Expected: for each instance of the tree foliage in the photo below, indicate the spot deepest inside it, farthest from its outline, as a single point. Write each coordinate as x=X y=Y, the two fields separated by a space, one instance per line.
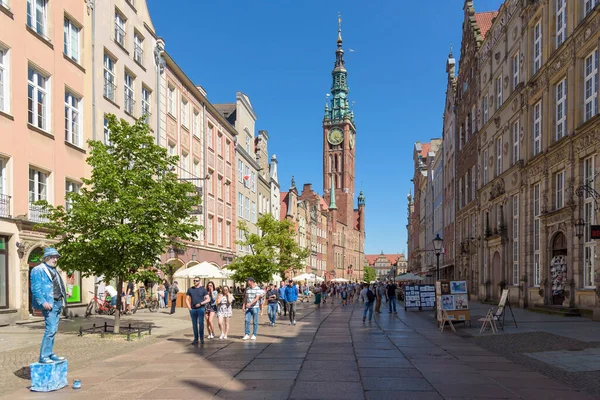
x=272 y=251
x=130 y=210
x=370 y=274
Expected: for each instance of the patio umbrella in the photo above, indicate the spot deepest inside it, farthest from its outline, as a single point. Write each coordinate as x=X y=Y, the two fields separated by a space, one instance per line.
x=409 y=277
x=339 y=280
x=307 y=277
x=202 y=270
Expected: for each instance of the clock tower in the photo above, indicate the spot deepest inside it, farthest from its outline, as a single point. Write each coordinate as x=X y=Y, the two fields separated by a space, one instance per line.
x=339 y=136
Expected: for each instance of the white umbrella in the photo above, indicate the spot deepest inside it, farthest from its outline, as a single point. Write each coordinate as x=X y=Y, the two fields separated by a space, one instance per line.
x=409 y=277
x=202 y=270
x=307 y=277
x=339 y=280
x=227 y=272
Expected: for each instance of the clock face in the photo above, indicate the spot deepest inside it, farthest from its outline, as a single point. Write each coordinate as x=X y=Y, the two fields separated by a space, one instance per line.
x=335 y=136
x=352 y=141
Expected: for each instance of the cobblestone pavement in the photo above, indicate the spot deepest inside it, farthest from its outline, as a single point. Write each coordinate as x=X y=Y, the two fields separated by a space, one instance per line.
x=329 y=354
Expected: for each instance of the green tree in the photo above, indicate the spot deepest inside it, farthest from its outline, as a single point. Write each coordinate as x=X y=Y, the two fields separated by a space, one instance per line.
x=370 y=274
x=272 y=251
x=126 y=215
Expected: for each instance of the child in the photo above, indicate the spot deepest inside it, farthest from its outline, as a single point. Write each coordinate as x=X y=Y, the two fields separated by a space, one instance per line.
x=344 y=296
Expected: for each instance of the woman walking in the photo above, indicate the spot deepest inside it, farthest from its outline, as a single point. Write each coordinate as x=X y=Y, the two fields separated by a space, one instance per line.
x=224 y=300
x=211 y=309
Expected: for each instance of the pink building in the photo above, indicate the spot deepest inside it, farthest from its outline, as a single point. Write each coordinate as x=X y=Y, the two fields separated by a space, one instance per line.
x=42 y=137
x=192 y=129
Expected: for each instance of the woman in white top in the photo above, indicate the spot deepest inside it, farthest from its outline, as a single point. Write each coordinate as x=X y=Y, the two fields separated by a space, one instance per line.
x=224 y=312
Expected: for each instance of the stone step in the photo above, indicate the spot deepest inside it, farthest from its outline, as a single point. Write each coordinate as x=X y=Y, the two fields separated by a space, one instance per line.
x=555 y=310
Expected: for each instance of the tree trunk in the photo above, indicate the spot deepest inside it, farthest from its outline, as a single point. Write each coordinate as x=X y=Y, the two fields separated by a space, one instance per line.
x=119 y=306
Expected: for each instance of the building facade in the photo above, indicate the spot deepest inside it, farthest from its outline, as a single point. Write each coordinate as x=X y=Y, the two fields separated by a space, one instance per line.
x=387 y=266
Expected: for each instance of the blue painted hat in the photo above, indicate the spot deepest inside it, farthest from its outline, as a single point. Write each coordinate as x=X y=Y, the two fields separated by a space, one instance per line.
x=50 y=251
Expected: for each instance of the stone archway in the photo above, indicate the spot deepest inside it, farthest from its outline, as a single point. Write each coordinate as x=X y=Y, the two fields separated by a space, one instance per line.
x=496 y=274
x=558 y=269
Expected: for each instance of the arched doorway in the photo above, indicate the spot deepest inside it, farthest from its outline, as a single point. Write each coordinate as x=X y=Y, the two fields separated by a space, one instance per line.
x=34 y=259
x=558 y=268
x=496 y=274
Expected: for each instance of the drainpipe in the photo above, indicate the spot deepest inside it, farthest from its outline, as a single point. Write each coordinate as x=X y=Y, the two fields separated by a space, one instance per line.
x=159 y=59
x=454 y=188
x=204 y=213
x=92 y=9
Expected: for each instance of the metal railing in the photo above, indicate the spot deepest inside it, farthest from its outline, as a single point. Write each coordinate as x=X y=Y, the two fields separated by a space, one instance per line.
x=36 y=212
x=146 y=116
x=109 y=89
x=138 y=54
x=119 y=35
x=5 y=205
x=129 y=103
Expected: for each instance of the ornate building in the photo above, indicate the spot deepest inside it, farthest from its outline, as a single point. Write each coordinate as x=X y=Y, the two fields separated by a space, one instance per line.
x=387 y=266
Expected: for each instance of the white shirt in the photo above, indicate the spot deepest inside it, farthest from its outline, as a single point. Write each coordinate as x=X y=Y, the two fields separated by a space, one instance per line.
x=111 y=291
x=363 y=295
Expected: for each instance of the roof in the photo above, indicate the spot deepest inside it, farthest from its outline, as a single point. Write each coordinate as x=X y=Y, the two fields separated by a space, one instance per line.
x=227 y=110
x=392 y=258
x=425 y=149
x=283 y=202
x=484 y=21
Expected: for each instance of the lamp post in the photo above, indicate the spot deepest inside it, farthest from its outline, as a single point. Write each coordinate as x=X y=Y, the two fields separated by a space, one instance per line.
x=437 y=248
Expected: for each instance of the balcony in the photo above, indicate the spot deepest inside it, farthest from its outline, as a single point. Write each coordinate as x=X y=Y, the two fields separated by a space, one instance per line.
x=109 y=90
x=36 y=212
x=129 y=103
x=146 y=116
x=120 y=35
x=5 y=206
x=138 y=54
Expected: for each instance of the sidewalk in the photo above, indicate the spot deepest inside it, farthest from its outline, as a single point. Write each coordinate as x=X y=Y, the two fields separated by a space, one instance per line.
x=329 y=354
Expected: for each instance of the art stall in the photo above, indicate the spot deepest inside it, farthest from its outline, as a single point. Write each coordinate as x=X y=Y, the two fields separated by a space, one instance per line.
x=452 y=301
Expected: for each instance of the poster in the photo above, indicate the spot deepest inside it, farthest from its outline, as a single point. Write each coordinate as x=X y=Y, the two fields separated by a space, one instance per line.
x=427 y=295
x=458 y=287
x=448 y=302
x=411 y=296
x=461 y=302
x=445 y=287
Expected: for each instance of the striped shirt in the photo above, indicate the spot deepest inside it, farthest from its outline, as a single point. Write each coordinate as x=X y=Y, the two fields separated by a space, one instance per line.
x=252 y=293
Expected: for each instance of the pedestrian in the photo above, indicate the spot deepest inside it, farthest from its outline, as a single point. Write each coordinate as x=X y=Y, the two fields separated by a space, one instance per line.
x=261 y=302
x=49 y=295
x=272 y=295
x=379 y=293
x=161 y=296
x=368 y=297
x=252 y=296
x=317 y=291
x=166 y=293
x=324 y=292
x=391 y=293
x=173 y=290
x=344 y=296
x=282 y=297
x=224 y=311
x=129 y=295
x=351 y=292
x=291 y=296
x=211 y=309
x=112 y=293
x=196 y=299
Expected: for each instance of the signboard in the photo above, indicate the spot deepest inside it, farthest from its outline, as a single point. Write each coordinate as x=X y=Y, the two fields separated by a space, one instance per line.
x=452 y=297
x=412 y=298
x=595 y=231
x=427 y=296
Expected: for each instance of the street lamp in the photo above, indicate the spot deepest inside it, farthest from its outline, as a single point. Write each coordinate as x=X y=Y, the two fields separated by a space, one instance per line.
x=437 y=248
x=579 y=227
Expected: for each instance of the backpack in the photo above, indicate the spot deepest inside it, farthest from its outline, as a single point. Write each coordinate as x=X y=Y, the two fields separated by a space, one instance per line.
x=370 y=295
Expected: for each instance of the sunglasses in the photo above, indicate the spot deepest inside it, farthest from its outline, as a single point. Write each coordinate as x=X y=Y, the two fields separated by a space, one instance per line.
x=196 y=280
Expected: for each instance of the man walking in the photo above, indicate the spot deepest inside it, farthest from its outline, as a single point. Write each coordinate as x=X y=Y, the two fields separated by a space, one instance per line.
x=251 y=306
x=272 y=295
x=379 y=293
x=368 y=297
x=49 y=295
x=196 y=298
x=282 y=297
x=173 y=290
x=391 y=293
x=291 y=296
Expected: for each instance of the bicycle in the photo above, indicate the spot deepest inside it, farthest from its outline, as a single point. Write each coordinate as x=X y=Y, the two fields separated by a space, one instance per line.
x=151 y=304
x=99 y=306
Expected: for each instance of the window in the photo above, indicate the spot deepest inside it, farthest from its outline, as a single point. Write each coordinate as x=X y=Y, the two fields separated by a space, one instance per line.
x=467 y=118
x=246 y=208
x=460 y=137
x=3 y=187
x=195 y=169
x=515 y=234
x=473 y=120
x=220 y=188
x=138 y=48
x=219 y=143
x=196 y=123
x=209 y=136
x=559 y=184
x=485 y=109
x=590 y=93
x=4 y=275
x=36 y=16
x=146 y=111
x=486 y=176
x=209 y=229
x=184 y=165
x=498 y=156
x=171 y=149
x=537 y=47
x=70 y=187
x=106 y=132
x=536 y=235
x=589 y=218
x=71 y=40
x=561 y=21
x=589 y=6
x=253 y=212
x=72 y=119
x=460 y=193
x=515 y=71
x=220 y=232
x=498 y=92
x=246 y=176
x=515 y=138
x=561 y=109
x=38 y=104
x=248 y=139
x=119 y=29
x=228 y=235
x=473 y=183
x=537 y=128
x=129 y=93
x=184 y=112
x=227 y=150
x=171 y=100
x=109 y=78
x=253 y=181
x=4 y=81
x=240 y=170
x=240 y=205
x=228 y=192
x=38 y=190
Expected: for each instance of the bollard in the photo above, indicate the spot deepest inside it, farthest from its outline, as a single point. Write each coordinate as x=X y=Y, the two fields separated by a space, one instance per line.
x=105 y=326
x=94 y=328
x=128 y=336
x=80 y=330
x=149 y=329
x=139 y=332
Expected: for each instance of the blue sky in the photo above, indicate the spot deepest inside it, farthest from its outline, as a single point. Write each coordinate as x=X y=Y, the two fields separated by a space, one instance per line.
x=281 y=53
